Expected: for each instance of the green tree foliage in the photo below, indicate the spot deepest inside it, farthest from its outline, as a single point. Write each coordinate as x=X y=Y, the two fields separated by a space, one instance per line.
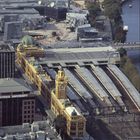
x=94 y=10
x=122 y=52
x=120 y=35
x=112 y=8
x=93 y=7
x=130 y=71
x=60 y=124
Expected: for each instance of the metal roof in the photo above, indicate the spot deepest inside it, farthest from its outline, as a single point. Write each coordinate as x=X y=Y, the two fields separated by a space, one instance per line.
x=8 y=85
x=78 y=87
x=107 y=82
x=131 y=90
x=77 y=54
x=92 y=82
x=18 y=11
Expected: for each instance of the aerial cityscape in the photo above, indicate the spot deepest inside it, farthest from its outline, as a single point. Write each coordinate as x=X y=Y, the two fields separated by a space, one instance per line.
x=69 y=69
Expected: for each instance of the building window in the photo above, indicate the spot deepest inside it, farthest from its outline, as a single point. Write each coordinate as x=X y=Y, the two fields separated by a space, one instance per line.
x=80 y=134
x=80 y=125
x=25 y=121
x=72 y=133
x=73 y=126
x=80 y=128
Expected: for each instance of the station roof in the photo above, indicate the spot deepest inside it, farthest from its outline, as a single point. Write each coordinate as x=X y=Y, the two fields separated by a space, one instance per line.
x=67 y=55
x=131 y=90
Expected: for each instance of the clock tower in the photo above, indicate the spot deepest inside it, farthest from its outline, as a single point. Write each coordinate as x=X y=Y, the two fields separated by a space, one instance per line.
x=61 y=85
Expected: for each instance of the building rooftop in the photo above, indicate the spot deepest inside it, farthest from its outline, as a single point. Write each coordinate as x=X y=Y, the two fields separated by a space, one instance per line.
x=13 y=85
x=62 y=56
x=65 y=102
x=57 y=3
x=40 y=127
x=18 y=11
x=5 y=47
x=71 y=110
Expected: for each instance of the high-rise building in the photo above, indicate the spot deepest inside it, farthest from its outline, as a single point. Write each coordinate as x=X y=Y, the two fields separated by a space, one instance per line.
x=7 y=61
x=17 y=102
x=12 y=31
x=61 y=105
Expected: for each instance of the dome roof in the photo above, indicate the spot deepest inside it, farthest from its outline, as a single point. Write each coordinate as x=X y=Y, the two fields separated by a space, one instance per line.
x=27 y=40
x=74 y=113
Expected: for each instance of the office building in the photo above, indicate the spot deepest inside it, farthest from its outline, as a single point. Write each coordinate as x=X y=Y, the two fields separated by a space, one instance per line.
x=7 y=61
x=17 y=102
x=12 y=31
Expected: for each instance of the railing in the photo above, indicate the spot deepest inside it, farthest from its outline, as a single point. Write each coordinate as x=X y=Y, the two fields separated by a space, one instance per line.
x=129 y=46
x=126 y=44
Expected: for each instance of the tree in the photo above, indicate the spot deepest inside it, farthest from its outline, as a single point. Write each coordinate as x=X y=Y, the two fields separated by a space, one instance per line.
x=120 y=35
x=112 y=8
x=122 y=52
x=94 y=10
x=60 y=124
x=130 y=71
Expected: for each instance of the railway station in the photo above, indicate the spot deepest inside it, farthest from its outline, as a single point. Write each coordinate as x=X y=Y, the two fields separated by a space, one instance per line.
x=89 y=85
